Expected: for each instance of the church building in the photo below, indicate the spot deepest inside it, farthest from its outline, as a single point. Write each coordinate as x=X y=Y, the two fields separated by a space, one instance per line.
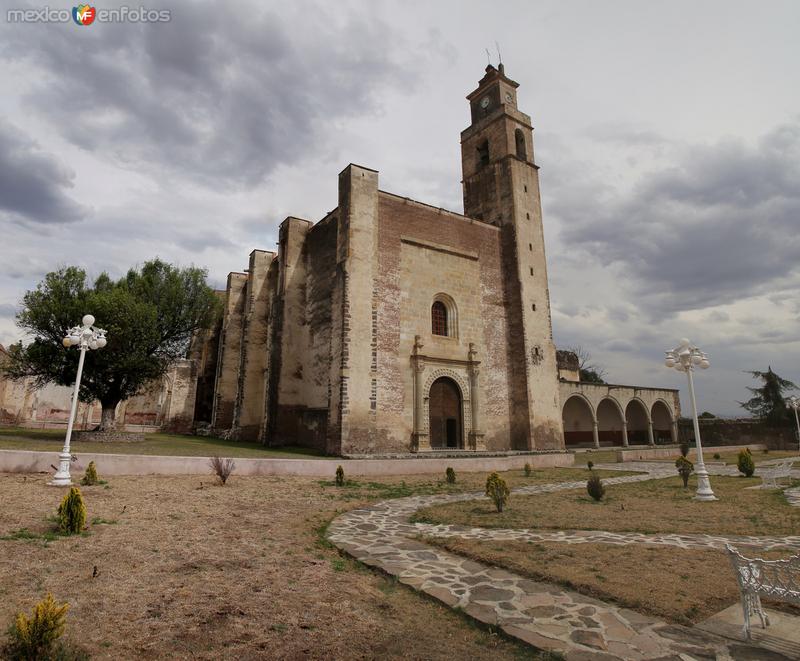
x=391 y=326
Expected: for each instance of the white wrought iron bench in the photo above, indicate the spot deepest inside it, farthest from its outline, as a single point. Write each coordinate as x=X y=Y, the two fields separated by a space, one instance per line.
x=772 y=474
x=776 y=579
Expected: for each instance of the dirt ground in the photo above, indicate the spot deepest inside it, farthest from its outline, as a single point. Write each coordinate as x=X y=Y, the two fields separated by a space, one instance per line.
x=188 y=569
x=656 y=506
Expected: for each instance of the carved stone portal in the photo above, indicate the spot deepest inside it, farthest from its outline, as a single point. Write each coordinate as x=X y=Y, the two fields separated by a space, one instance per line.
x=464 y=374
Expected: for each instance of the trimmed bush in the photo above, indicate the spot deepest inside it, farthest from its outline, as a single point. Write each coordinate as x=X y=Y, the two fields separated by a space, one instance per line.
x=339 y=476
x=685 y=468
x=590 y=464
x=222 y=468
x=497 y=490
x=527 y=470
x=450 y=475
x=595 y=487
x=717 y=455
x=72 y=513
x=90 y=477
x=32 y=638
x=745 y=463
x=684 y=447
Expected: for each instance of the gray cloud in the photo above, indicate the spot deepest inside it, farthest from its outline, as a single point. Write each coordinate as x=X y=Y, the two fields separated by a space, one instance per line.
x=717 y=316
x=224 y=101
x=7 y=310
x=619 y=345
x=717 y=226
x=33 y=183
x=624 y=134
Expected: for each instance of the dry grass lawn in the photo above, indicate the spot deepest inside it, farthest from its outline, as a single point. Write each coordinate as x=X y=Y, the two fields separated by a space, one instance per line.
x=186 y=568
x=596 y=456
x=655 y=506
x=673 y=584
x=465 y=482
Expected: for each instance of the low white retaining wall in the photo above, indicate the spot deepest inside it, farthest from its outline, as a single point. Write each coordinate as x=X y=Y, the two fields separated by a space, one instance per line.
x=670 y=452
x=25 y=461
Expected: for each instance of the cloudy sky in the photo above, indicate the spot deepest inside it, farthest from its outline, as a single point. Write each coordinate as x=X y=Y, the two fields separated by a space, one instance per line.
x=668 y=135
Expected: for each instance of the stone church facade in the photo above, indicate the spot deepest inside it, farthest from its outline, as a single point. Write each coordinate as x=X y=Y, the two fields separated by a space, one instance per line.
x=392 y=326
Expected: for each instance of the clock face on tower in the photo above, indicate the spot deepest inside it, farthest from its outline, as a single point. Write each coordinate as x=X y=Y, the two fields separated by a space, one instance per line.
x=509 y=97
x=485 y=101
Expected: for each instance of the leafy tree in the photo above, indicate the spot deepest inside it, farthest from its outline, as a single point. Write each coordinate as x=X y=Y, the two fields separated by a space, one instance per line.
x=587 y=370
x=150 y=315
x=767 y=402
x=706 y=414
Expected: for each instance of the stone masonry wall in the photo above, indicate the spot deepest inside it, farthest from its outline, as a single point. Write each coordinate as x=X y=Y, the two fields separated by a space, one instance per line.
x=357 y=257
x=292 y=342
x=249 y=411
x=320 y=255
x=228 y=358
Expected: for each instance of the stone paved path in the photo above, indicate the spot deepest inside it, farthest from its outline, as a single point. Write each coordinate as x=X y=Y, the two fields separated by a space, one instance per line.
x=543 y=615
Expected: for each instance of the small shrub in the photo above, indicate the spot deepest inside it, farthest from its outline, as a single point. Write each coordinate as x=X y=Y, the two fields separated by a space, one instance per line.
x=590 y=464
x=745 y=463
x=222 y=468
x=527 y=469
x=90 y=477
x=685 y=468
x=72 y=513
x=766 y=450
x=339 y=476
x=684 y=447
x=450 y=475
x=34 y=637
x=497 y=490
x=595 y=487
x=717 y=455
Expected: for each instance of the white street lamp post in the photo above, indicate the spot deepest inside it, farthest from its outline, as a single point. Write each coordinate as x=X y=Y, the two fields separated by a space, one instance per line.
x=794 y=403
x=685 y=358
x=85 y=337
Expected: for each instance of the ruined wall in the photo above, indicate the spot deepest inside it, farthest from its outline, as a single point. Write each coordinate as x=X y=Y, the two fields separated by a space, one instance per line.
x=568 y=365
x=721 y=431
x=181 y=384
x=168 y=403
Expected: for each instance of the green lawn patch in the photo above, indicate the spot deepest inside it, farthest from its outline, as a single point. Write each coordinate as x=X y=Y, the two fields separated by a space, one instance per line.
x=173 y=445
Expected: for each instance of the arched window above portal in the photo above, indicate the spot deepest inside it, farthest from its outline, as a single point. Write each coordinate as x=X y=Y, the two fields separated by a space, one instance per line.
x=444 y=316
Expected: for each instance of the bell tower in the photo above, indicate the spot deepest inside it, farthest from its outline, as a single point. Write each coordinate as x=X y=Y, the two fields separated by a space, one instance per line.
x=501 y=187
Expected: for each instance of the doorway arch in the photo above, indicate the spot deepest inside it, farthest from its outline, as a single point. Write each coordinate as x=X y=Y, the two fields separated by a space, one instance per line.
x=638 y=421
x=446 y=422
x=610 y=421
x=578 y=421
x=662 y=421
